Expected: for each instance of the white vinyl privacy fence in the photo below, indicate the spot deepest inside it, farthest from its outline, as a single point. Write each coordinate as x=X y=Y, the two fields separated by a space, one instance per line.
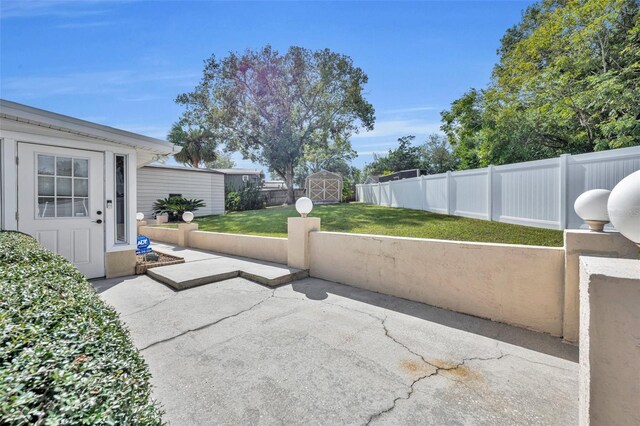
x=535 y=193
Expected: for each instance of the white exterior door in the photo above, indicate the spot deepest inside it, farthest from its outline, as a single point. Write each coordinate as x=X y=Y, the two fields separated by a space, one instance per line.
x=60 y=202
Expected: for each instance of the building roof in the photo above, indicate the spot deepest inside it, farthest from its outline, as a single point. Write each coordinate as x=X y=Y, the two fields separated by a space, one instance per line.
x=238 y=171
x=51 y=120
x=183 y=168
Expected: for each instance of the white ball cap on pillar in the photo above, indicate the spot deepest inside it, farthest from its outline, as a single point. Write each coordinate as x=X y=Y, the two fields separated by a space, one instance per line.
x=304 y=206
x=187 y=217
x=591 y=206
x=624 y=207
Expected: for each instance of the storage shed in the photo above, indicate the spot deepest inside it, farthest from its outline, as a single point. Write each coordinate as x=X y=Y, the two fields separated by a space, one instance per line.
x=324 y=187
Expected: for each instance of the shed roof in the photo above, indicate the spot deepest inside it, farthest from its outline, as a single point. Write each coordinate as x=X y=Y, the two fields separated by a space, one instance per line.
x=323 y=173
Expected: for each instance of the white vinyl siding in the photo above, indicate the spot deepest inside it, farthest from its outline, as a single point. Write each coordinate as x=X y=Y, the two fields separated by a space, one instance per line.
x=157 y=182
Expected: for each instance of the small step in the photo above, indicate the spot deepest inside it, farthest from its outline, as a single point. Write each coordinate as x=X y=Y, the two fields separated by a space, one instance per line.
x=192 y=274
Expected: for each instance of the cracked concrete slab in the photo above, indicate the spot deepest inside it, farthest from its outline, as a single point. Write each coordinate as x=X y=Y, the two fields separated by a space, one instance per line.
x=315 y=352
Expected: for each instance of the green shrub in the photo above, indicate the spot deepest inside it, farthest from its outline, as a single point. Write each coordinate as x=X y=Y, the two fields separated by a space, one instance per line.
x=65 y=357
x=247 y=198
x=347 y=191
x=176 y=206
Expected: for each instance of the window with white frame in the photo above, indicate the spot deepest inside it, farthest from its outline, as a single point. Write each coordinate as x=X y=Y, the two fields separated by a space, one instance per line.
x=121 y=207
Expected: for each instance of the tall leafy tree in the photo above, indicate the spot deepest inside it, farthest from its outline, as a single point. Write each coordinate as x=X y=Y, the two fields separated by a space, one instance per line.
x=568 y=81
x=405 y=157
x=335 y=157
x=272 y=107
x=223 y=161
x=198 y=144
x=437 y=155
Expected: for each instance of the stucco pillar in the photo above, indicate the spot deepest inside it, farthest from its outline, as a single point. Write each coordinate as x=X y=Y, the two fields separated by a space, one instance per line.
x=298 y=240
x=609 y=341
x=583 y=242
x=185 y=229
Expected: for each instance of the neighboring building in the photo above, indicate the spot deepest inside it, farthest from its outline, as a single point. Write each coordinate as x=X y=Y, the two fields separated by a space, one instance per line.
x=157 y=181
x=236 y=178
x=71 y=184
x=372 y=179
x=324 y=187
x=404 y=174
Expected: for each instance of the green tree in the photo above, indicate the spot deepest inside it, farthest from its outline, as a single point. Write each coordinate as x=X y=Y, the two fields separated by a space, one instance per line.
x=567 y=81
x=335 y=156
x=463 y=125
x=437 y=155
x=223 y=161
x=272 y=107
x=198 y=144
x=404 y=157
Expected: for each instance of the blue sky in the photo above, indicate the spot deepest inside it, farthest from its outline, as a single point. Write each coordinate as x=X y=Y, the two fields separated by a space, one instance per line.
x=122 y=63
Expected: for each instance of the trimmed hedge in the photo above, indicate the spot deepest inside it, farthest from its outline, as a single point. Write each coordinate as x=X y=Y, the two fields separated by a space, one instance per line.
x=65 y=357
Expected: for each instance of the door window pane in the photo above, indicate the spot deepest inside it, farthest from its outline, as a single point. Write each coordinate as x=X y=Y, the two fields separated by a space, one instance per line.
x=80 y=207
x=63 y=207
x=46 y=185
x=63 y=166
x=46 y=165
x=46 y=207
x=80 y=167
x=63 y=187
x=80 y=187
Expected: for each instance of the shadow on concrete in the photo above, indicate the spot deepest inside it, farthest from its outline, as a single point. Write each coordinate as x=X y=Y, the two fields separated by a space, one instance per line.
x=101 y=285
x=316 y=289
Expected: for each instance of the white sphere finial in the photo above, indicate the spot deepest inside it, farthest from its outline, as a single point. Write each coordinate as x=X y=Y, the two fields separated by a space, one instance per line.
x=187 y=217
x=624 y=207
x=591 y=206
x=139 y=216
x=304 y=206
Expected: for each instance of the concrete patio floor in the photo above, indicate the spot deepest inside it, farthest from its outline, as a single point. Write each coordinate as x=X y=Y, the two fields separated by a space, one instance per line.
x=316 y=352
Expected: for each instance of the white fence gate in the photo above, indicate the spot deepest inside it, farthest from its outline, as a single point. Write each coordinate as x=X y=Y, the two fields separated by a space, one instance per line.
x=535 y=193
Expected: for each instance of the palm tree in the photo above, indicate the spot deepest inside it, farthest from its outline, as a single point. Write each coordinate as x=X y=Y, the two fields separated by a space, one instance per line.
x=198 y=144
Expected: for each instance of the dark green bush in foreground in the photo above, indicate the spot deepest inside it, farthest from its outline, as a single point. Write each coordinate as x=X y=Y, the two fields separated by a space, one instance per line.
x=64 y=355
x=249 y=197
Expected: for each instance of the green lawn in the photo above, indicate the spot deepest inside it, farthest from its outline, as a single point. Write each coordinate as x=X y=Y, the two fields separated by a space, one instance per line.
x=368 y=219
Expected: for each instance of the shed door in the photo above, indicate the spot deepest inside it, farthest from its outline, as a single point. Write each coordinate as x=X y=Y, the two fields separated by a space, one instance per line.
x=60 y=202
x=324 y=190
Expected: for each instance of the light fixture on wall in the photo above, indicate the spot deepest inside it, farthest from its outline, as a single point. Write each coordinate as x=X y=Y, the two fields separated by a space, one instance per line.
x=187 y=217
x=591 y=206
x=624 y=207
x=304 y=206
x=139 y=216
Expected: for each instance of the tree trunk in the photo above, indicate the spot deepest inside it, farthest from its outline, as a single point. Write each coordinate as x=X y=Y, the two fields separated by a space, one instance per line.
x=288 y=180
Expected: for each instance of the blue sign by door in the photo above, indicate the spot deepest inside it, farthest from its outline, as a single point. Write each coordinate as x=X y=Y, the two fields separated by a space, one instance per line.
x=143 y=245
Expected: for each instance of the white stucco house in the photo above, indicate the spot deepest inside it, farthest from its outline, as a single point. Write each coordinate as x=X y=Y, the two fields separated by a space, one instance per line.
x=71 y=184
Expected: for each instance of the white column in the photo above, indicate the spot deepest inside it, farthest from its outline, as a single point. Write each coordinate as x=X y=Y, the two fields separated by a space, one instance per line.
x=448 y=192
x=490 y=193
x=564 y=159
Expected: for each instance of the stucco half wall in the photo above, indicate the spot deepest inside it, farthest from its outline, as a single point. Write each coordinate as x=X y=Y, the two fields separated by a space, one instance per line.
x=262 y=248
x=514 y=284
x=158 y=233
